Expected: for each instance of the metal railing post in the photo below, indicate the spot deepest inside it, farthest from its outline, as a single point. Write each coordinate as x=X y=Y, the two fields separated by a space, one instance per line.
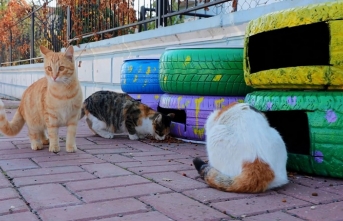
x=68 y=23
x=32 y=37
x=158 y=6
x=10 y=48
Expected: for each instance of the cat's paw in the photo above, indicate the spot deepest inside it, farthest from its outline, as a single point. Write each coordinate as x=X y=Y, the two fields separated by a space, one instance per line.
x=71 y=148
x=54 y=148
x=133 y=137
x=36 y=145
x=141 y=136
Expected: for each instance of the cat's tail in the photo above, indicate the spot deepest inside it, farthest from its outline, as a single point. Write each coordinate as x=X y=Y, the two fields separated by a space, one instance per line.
x=255 y=177
x=82 y=112
x=13 y=127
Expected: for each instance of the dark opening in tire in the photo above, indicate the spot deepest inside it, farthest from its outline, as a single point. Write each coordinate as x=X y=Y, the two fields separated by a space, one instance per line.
x=180 y=115
x=303 y=45
x=293 y=127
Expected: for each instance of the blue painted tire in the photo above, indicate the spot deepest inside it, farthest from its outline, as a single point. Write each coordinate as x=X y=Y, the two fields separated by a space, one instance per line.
x=140 y=76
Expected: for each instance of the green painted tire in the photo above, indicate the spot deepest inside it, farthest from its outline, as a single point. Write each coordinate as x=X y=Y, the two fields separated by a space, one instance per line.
x=296 y=48
x=203 y=71
x=324 y=118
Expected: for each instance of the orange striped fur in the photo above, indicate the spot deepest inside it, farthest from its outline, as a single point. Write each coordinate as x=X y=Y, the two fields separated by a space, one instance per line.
x=254 y=178
x=49 y=103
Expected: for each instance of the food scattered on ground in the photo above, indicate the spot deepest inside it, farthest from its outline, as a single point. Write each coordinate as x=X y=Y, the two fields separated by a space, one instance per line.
x=169 y=139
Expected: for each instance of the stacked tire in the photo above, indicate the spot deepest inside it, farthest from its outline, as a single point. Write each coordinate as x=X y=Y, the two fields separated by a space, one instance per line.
x=198 y=81
x=297 y=54
x=140 y=79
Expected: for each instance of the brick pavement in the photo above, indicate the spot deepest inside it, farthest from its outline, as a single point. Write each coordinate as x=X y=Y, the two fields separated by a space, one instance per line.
x=119 y=179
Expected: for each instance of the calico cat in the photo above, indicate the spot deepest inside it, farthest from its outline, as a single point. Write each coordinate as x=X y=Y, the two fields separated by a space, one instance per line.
x=49 y=103
x=245 y=154
x=109 y=113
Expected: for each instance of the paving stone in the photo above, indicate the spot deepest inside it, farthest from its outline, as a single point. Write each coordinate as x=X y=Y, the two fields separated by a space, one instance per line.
x=161 y=157
x=43 y=171
x=193 y=173
x=31 y=154
x=12 y=206
x=149 y=216
x=277 y=216
x=315 y=181
x=54 y=178
x=75 y=162
x=180 y=207
x=6 y=145
x=104 y=146
x=8 y=193
x=143 y=147
x=24 y=216
x=111 y=151
x=259 y=205
x=106 y=183
x=93 y=210
x=114 y=158
x=213 y=195
x=105 y=170
x=122 y=192
x=175 y=181
x=148 y=163
x=4 y=181
x=332 y=211
x=48 y=196
x=17 y=151
x=334 y=189
x=148 y=153
x=193 y=152
x=17 y=164
x=312 y=195
x=70 y=156
x=154 y=169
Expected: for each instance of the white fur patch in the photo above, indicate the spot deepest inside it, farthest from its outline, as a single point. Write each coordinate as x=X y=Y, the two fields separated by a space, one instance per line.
x=145 y=129
x=100 y=127
x=241 y=135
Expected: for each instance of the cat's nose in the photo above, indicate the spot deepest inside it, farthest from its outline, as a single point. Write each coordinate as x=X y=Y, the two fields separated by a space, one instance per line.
x=54 y=77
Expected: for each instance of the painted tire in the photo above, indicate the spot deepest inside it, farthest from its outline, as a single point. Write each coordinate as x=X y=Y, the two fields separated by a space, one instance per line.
x=196 y=110
x=151 y=100
x=140 y=76
x=306 y=50
x=321 y=149
x=203 y=71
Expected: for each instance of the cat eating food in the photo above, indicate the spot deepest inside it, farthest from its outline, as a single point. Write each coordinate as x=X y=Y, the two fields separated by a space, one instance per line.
x=109 y=113
x=245 y=154
x=49 y=103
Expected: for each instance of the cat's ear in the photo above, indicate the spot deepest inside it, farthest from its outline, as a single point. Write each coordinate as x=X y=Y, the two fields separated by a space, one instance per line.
x=44 y=50
x=69 y=53
x=171 y=115
x=158 y=119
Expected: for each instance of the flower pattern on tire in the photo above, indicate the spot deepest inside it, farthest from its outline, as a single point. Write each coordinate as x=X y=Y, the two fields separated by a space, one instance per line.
x=324 y=112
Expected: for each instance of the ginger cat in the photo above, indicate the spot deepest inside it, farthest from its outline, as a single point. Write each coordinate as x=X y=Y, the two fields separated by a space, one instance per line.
x=245 y=154
x=49 y=103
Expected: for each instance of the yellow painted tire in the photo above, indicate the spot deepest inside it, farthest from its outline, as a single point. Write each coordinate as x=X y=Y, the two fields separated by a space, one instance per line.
x=298 y=48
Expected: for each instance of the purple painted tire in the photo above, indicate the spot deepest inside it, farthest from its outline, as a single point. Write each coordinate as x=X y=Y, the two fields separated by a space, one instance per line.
x=151 y=100
x=191 y=112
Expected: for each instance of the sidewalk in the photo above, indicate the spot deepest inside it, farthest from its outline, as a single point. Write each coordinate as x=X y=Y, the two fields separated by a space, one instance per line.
x=119 y=179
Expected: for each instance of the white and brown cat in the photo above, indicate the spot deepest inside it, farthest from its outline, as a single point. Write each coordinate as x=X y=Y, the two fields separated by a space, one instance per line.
x=245 y=154
x=49 y=103
x=109 y=113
